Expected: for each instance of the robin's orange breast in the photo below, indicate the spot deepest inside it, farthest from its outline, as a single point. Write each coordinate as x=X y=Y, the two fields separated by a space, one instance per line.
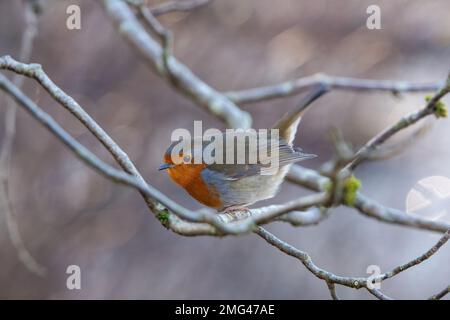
x=189 y=177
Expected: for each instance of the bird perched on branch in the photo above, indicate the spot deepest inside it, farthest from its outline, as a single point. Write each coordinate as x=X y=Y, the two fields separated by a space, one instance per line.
x=233 y=186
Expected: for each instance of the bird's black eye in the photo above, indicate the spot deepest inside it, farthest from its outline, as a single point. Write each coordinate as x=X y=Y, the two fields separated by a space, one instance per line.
x=187 y=158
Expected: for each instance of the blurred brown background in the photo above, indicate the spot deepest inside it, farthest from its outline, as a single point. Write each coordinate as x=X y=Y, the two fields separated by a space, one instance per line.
x=67 y=214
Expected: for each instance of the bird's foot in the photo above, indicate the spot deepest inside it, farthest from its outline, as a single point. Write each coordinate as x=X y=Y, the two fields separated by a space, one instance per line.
x=236 y=213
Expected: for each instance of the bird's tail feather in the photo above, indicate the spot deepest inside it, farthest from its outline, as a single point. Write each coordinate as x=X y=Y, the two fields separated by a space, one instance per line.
x=288 y=124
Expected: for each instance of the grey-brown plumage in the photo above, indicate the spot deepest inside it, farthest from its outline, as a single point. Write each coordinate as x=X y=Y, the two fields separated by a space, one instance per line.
x=241 y=184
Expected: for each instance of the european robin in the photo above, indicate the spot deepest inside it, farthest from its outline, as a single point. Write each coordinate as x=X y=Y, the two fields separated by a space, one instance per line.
x=234 y=186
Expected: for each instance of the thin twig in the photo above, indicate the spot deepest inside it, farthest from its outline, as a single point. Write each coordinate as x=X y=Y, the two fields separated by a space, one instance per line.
x=440 y=294
x=177 y=5
x=378 y=294
x=297 y=86
x=419 y=259
x=31 y=9
x=403 y=123
x=310 y=217
x=164 y=34
x=305 y=259
x=373 y=209
x=332 y=288
x=388 y=151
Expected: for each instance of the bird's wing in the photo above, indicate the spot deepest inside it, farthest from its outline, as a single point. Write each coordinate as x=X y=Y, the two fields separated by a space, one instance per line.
x=266 y=160
x=243 y=154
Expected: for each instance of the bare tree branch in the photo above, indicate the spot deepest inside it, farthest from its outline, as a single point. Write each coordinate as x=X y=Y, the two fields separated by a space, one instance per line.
x=164 y=34
x=177 y=5
x=351 y=282
x=419 y=259
x=389 y=151
x=94 y=162
x=378 y=294
x=403 y=123
x=186 y=82
x=375 y=210
x=313 y=180
x=35 y=71
x=441 y=294
x=31 y=9
x=332 y=288
x=305 y=259
x=297 y=86
x=170 y=6
x=310 y=217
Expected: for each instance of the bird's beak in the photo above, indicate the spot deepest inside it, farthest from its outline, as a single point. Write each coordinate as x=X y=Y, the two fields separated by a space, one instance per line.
x=165 y=166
